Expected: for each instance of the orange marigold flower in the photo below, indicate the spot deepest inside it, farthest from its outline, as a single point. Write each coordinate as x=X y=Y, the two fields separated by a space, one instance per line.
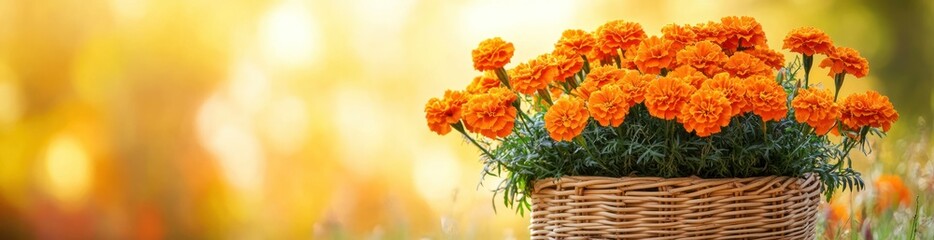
x=689 y=75
x=808 y=41
x=566 y=66
x=555 y=90
x=492 y=54
x=491 y=114
x=576 y=41
x=665 y=96
x=769 y=57
x=617 y=35
x=767 y=98
x=868 y=109
x=844 y=59
x=536 y=74
x=742 y=32
x=891 y=192
x=743 y=65
x=710 y=31
x=441 y=113
x=566 y=119
x=816 y=108
x=679 y=35
x=635 y=85
x=654 y=54
x=609 y=105
x=603 y=75
x=706 y=112
x=483 y=83
x=585 y=89
x=733 y=88
x=705 y=56
x=627 y=60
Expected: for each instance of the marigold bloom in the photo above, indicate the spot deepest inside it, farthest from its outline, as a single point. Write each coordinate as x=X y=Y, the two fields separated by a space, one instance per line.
x=808 y=41
x=635 y=85
x=689 y=75
x=609 y=105
x=492 y=54
x=483 y=83
x=654 y=54
x=743 y=65
x=769 y=57
x=767 y=98
x=536 y=74
x=441 y=113
x=617 y=35
x=603 y=75
x=706 y=112
x=585 y=89
x=576 y=41
x=566 y=119
x=816 y=108
x=742 y=32
x=679 y=35
x=566 y=66
x=491 y=114
x=710 y=31
x=891 y=192
x=868 y=109
x=733 y=88
x=705 y=56
x=665 y=96
x=844 y=59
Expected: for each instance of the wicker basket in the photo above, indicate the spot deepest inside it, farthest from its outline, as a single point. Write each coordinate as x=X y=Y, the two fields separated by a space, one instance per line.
x=758 y=208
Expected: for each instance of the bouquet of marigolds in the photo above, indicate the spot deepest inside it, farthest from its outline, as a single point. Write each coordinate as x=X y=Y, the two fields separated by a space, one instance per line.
x=709 y=100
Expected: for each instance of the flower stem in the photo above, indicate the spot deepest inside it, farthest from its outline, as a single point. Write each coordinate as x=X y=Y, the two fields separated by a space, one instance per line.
x=838 y=83
x=586 y=64
x=501 y=74
x=459 y=126
x=807 y=61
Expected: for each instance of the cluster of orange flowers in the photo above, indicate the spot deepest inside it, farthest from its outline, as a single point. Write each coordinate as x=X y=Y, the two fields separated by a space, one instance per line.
x=698 y=75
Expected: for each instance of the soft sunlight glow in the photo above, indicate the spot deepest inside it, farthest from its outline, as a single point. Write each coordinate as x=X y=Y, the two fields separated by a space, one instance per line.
x=68 y=170
x=289 y=35
x=285 y=124
x=224 y=131
x=357 y=115
x=9 y=97
x=248 y=87
x=436 y=175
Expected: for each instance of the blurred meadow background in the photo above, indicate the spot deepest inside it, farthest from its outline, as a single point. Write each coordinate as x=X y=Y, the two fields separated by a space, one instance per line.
x=288 y=119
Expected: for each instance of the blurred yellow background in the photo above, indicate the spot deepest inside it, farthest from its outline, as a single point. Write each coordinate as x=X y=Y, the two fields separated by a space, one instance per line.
x=292 y=119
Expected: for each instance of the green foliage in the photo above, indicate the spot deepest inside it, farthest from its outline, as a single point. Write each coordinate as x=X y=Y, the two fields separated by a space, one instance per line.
x=647 y=146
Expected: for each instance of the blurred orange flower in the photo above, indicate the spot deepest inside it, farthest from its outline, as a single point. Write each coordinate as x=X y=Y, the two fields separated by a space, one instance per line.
x=483 y=83
x=734 y=89
x=566 y=119
x=742 y=32
x=769 y=57
x=576 y=41
x=767 y=98
x=654 y=54
x=665 y=96
x=609 y=105
x=808 y=41
x=868 y=109
x=891 y=192
x=491 y=114
x=706 y=112
x=635 y=85
x=617 y=35
x=816 y=108
x=585 y=89
x=441 y=113
x=566 y=66
x=492 y=54
x=845 y=60
x=529 y=77
x=689 y=75
x=679 y=35
x=705 y=56
x=743 y=65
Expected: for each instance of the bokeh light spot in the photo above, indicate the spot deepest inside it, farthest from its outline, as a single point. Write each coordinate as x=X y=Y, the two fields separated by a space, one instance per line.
x=289 y=35
x=68 y=170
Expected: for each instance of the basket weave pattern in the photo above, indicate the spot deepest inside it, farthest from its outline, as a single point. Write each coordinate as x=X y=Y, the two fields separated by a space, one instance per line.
x=772 y=207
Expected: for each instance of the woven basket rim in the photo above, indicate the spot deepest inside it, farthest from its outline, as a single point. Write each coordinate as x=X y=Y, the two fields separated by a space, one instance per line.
x=545 y=181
